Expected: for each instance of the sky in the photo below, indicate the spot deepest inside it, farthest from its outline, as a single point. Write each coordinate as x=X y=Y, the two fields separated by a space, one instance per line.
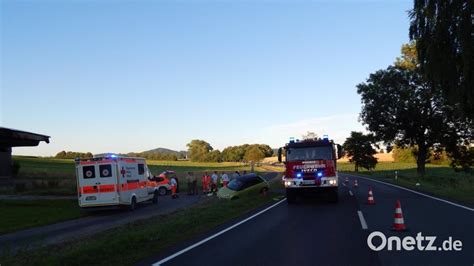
x=122 y=76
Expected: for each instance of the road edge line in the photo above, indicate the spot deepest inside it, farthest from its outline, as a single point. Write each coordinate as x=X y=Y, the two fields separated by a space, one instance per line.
x=215 y=235
x=414 y=191
x=363 y=223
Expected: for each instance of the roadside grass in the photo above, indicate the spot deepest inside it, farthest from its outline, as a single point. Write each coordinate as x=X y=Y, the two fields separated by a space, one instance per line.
x=140 y=240
x=22 y=214
x=439 y=180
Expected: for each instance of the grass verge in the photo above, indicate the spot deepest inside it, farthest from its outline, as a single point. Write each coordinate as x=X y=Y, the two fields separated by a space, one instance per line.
x=23 y=214
x=439 y=180
x=137 y=241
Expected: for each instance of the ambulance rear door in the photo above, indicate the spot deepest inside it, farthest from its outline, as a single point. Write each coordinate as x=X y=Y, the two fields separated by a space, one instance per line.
x=97 y=184
x=107 y=181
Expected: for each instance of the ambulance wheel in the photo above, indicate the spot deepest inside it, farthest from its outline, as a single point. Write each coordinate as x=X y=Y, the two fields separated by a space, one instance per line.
x=133 y=204
x=163 y=191
x=155 y=197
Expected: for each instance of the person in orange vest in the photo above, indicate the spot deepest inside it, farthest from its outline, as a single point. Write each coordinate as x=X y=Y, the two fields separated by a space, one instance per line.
x=205 y=183
x=173 y=184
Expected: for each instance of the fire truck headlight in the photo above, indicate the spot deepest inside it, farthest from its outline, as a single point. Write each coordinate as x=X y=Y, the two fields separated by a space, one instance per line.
x=332 y=182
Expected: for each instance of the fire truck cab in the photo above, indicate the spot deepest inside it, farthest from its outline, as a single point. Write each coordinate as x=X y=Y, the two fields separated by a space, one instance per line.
x=310 y=167
x=112 y=180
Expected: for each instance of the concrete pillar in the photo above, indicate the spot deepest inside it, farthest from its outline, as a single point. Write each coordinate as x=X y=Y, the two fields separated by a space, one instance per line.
x=5 y=162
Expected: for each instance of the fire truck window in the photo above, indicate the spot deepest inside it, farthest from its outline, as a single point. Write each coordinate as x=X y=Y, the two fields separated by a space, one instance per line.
x=88 y=172
x=141 y=169
x=105 y=170
x=160 y=179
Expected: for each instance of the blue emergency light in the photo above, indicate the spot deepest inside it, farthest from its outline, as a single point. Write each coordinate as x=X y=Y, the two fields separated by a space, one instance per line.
x=298 y=175
x=319 y=174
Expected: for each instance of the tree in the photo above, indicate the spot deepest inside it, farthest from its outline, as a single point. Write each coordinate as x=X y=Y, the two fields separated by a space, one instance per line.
x=198 y=150
x=254 y=154
x=213 y=156
x=310 y=136
x=400 y=107
x=442 y=30
x=359 y=148
x=237 y=153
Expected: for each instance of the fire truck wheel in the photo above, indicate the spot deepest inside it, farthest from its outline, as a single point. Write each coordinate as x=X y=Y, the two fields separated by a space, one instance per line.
x=133 y=204
x=163 y=191
x=155 y=197
x=290 y=196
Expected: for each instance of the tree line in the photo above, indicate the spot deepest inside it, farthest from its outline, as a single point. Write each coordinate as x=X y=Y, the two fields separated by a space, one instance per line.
x=202 y=151
x=72 y=155
x=423 y=102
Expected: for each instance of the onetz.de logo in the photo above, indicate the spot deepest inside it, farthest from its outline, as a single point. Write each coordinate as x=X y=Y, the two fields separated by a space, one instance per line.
x=377 y=241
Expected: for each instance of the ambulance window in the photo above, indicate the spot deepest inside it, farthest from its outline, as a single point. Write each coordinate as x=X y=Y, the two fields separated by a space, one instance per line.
x=141 y=169
x=88 y=172
x=105 y=170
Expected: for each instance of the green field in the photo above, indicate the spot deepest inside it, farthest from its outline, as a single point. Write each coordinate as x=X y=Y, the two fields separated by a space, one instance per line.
x=64 y=168
x=113 y=247
x=18 y=215
x=46 y=176
x=439 y=180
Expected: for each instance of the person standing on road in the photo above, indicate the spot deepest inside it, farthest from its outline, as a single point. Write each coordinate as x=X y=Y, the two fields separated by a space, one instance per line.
x=235 y=174
x=174 y=185
x=205 y=180
x=189 y=180
x=195 y=185
x=225 y=179
x=214 y=182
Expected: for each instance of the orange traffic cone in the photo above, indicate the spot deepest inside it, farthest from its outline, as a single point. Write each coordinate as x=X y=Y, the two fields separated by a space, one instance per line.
x=356 y=185
x=370 y=198
x=398 y=223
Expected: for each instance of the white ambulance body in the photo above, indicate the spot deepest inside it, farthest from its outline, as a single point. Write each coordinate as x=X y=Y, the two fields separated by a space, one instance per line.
x=113 y=180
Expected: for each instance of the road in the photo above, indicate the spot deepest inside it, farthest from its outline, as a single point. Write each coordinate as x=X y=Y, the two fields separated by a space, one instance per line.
x=313 y=232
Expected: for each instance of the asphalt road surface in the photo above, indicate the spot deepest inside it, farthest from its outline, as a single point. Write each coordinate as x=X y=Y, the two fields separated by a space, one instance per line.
x=313 y=232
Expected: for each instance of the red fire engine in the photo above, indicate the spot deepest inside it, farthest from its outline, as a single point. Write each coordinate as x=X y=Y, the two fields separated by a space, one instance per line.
x=310 y=166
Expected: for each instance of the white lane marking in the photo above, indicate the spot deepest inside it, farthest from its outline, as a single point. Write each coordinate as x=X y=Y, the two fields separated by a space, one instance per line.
x=214 y=235
x=362 y=220
x=416 y=192
x=350 y=192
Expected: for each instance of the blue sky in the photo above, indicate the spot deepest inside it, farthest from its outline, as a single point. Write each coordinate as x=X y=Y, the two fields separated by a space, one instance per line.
x=121 y=76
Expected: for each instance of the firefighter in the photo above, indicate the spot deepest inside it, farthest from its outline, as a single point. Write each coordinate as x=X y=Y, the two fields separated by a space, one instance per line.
x=205 y=183
x=173 y=184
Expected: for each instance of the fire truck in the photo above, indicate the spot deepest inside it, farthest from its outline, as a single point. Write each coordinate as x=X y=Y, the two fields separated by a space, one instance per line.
x=310 y=167
x=113 y=180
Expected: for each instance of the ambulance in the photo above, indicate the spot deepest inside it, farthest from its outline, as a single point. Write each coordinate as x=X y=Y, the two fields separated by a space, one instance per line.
x=112 y=180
